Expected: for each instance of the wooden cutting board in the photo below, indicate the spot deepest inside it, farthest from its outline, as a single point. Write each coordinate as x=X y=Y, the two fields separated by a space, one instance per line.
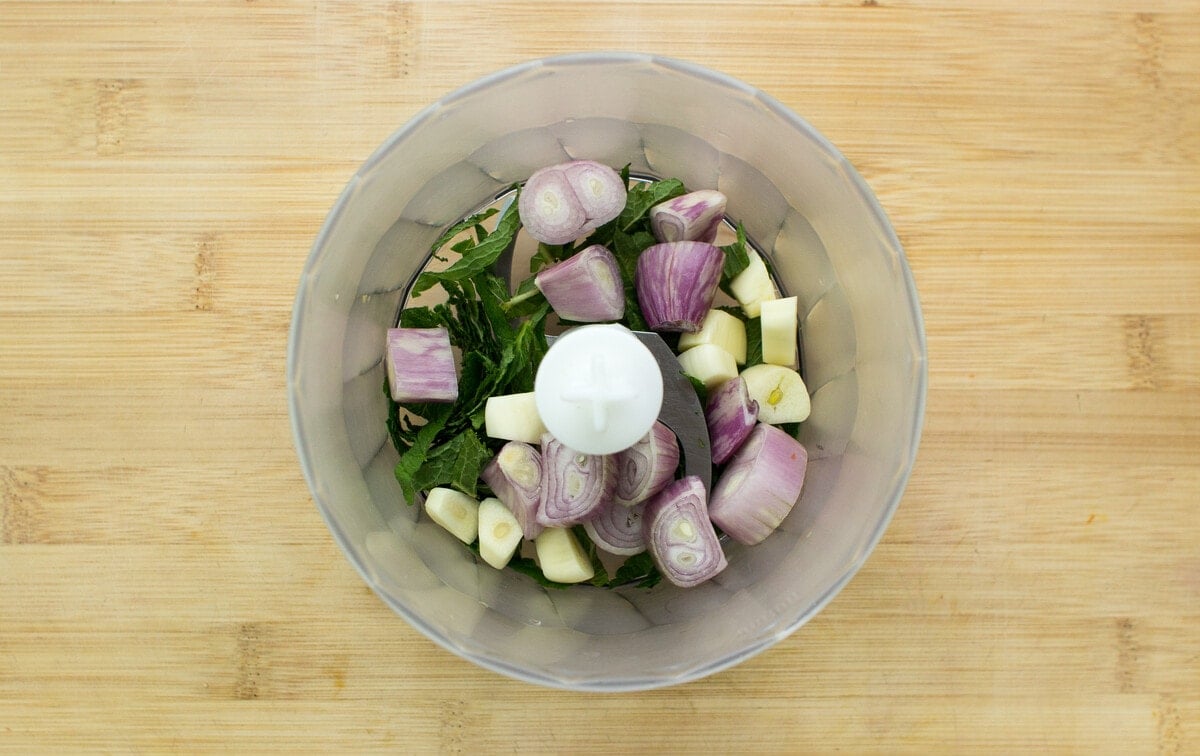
x=167 y=585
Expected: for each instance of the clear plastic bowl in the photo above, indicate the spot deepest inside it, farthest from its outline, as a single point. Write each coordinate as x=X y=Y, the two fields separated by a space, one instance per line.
x=831 y=245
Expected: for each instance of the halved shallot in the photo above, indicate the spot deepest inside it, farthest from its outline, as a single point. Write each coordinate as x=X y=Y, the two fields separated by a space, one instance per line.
x=647 y=467
x=679 y=535
x=599 y=190
x=676 y=282
x=696 y=216
x=617 y=529
x=515 y=476
x=560 y=203
x=730 y=415
x=586 y=287
x=759 y=486
x=574 y=485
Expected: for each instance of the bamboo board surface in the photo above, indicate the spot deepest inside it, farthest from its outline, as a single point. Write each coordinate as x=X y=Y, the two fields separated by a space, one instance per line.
x=166 y=583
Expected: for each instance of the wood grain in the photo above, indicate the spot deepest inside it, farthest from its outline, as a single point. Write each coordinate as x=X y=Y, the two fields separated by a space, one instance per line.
x=167 y=585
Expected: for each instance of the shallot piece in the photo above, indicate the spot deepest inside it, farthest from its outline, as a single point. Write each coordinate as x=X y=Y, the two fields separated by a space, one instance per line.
x=676 y=283
x=549 y=209
x=647 y=467
x=759 y=486
x=586 y=287
x=515 y=476
x=560 y=203
x=679 y=535
x=420 y=365
x=617 y=529
x=730 y=415
x=599 y=190
x=574 y=485
x=696 y=216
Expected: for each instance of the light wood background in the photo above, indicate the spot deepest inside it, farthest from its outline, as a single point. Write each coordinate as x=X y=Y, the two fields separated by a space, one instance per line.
x=167 y=584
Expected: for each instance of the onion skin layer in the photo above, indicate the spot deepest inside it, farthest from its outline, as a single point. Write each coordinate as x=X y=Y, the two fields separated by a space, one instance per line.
x=679 y=535
x=759 y=486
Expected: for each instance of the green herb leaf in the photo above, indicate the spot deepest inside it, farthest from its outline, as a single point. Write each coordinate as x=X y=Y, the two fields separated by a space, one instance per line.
x=790 y=428
x=455 y=463
x=548 y=254
x=461 y=226
x=699 y=387
x=737 y=259
x=493 y=294
x=412 y=459
x=634 y=320
x=529 y=348
x=754 y=354
x=527 y=566
x=420 y=317
x=600 y=578
x=528 y=299
x=642 y=197
x=627 y=248
x=638 y=568
x=477 y=257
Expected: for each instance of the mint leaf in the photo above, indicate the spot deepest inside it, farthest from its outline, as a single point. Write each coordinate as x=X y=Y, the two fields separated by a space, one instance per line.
x=642 y=197
x=737 y=259
x=529 y=348
x=527 y=566
x=600 y=576
x=415 y=455
x=528 y=299
x=627 y=248
x=548 y=254
x=754 y=354
x=638 y=568
x=461 y=226
x=493 y=294
x=455 y=463
x=699 y=387
x=792 y=429
x=420 y=317
x=476 y=257
x=634 y=319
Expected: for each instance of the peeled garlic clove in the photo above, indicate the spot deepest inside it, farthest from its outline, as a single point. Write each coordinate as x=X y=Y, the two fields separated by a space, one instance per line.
x=780 y=393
